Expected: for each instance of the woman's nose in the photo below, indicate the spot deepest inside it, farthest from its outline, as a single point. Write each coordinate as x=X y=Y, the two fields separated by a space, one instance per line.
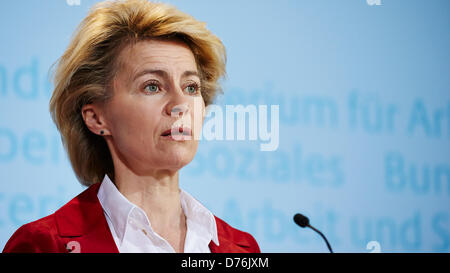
x=179 y=110
x=178 y=103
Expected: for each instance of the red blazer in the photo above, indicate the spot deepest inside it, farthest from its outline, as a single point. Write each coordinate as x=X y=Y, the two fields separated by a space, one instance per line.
x=82 y=221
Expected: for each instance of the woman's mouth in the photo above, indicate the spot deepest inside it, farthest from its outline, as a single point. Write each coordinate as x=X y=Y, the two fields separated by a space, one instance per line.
x=177 y=133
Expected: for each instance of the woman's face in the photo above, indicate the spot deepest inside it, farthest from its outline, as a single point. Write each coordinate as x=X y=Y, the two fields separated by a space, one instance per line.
x=156 y=89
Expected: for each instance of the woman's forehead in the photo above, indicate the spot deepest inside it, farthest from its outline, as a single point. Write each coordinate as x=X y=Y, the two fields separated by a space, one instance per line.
x=157 y=54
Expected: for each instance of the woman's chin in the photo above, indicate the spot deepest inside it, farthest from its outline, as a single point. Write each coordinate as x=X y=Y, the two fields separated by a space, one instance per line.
x=176 y=161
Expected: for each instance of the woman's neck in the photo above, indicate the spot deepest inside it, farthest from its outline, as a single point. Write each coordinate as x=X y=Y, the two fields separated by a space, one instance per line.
x=158 y=195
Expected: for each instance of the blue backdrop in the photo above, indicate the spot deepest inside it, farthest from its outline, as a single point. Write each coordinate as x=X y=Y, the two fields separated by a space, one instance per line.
x=364 y=98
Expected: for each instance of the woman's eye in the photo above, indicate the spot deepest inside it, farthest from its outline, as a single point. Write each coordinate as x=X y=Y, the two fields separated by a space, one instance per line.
x=191 y=89
x=151 y=88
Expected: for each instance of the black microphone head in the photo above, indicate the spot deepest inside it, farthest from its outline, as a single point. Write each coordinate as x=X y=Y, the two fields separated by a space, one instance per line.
x=301 y=220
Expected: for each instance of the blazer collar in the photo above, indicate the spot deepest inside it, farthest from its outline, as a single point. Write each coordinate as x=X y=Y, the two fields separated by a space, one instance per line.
x=82 y=220
x=230 y=240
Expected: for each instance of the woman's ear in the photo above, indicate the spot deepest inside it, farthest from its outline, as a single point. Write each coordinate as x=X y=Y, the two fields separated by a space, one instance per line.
x=94 y=120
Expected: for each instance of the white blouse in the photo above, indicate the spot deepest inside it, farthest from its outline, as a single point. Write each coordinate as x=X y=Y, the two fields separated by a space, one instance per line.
x=132 y=230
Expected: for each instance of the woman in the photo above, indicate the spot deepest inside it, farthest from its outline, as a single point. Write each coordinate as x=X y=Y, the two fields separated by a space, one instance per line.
x=130 y=94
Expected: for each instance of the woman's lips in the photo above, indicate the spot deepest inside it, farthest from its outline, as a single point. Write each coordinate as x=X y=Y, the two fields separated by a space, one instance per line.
x=177 y=133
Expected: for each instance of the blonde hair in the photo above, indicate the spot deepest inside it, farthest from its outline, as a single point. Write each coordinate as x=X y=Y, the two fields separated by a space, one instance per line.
x=86 y=68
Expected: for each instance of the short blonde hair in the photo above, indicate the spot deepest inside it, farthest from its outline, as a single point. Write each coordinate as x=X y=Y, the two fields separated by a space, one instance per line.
x=86 y=68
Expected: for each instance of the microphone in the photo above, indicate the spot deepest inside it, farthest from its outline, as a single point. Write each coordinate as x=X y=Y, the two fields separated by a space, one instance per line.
x=303 y=222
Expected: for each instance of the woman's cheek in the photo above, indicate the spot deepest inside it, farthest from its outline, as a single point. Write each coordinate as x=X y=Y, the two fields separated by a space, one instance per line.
x=197 y=117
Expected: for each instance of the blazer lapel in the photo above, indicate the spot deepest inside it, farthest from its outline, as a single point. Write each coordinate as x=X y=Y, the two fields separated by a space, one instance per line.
x=82 y=225
x=230 y=240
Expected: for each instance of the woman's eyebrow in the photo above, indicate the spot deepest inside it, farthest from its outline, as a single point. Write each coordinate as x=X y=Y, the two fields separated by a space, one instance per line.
x=164 y=74
x=190 y=73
